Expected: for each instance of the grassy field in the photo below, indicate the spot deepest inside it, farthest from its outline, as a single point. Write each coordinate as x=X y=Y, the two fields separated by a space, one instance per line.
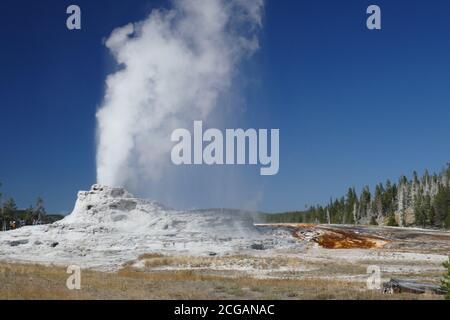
x=22 y=281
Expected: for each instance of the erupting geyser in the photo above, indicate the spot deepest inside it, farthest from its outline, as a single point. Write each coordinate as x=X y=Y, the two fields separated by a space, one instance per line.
x=109 y=227
x=174 y=68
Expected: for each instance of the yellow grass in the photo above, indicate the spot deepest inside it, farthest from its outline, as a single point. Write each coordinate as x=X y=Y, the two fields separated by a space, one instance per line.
x=21 y=281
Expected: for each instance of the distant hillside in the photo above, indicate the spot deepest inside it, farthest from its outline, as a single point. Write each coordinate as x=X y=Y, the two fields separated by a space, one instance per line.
x=420 y=201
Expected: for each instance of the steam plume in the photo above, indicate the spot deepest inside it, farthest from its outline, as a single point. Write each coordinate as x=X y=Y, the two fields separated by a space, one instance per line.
x=173 y=68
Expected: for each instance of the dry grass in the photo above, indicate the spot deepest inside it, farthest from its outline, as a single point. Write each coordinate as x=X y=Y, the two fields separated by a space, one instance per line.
x=20 y=281
x=155 y=261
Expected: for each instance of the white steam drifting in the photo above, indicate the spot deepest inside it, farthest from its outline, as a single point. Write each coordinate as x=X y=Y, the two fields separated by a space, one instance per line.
x=174 y=67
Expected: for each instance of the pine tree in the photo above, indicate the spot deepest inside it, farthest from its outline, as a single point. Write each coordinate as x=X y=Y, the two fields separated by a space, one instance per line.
x=432 y=216
x=447 y=222
x=364 y=203
x=377 y=204
x=8 y=210
x=389 y=198
x=28 y=216
x=350 y=205
x=441 y=206
x=419 y=211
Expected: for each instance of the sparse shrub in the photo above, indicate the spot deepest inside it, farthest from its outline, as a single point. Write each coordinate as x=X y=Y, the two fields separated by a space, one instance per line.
x=391 y=221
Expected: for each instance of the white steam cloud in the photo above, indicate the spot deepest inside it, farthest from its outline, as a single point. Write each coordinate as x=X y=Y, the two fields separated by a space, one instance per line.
x=173 y=68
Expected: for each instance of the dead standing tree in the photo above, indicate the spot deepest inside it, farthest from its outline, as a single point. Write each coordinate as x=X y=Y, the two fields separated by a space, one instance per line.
x=39 y=211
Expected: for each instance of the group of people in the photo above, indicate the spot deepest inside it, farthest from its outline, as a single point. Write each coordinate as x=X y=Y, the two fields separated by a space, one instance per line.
x=14 y=224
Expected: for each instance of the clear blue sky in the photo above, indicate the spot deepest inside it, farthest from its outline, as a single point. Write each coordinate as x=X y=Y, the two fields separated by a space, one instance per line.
x=354 y=106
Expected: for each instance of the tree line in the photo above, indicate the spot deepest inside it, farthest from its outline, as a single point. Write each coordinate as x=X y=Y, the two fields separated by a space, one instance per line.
x=11 y=217
x=419 y=201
